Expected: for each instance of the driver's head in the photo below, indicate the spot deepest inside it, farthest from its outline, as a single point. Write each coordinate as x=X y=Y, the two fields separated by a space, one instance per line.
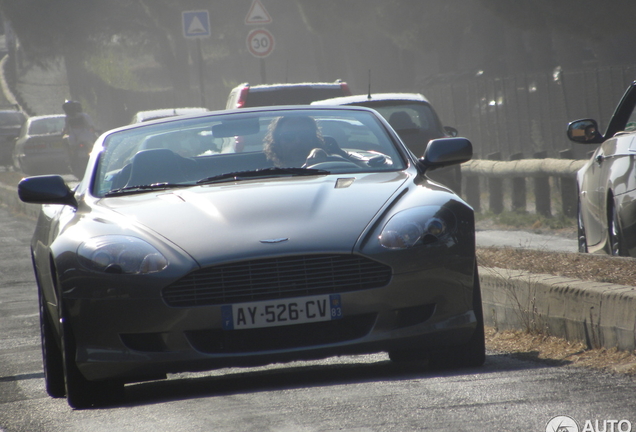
x=291 y=139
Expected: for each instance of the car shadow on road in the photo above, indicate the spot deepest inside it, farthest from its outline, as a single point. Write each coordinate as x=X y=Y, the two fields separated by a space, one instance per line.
x=311 y=374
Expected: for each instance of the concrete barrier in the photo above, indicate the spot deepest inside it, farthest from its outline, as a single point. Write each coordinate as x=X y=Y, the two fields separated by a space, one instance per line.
x=522 y=168
x=492 y=172
x=598 y=314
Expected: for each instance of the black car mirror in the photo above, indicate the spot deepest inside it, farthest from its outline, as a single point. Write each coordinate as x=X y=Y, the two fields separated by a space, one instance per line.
x=447 y=151
x=584 y=131
x=48 y=189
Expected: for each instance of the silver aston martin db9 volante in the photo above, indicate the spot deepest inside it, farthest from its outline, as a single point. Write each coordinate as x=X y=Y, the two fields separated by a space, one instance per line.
x=249 y=237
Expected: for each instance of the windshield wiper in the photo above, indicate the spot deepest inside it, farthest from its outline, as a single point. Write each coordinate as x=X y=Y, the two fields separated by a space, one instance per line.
x=144 y=188
x=262 y=173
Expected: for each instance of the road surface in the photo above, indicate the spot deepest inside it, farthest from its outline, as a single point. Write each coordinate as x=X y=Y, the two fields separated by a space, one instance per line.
x=360 y=393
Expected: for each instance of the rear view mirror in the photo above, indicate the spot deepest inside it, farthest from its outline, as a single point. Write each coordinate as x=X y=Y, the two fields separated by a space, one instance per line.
x=584 y=131
x=231 y=128
x=48 y=189
x=447 y=151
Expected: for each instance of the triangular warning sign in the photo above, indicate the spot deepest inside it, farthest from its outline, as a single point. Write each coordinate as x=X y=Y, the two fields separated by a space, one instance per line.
x=257 y=14
x=196 y=27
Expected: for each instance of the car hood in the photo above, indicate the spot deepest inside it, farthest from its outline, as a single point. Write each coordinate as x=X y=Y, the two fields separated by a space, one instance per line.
x=231 y=221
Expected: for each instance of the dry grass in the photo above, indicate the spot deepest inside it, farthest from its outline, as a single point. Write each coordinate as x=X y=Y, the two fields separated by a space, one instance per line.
x=600 y=268
x=553 y=349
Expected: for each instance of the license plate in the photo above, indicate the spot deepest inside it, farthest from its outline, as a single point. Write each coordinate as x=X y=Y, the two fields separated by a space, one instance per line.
x=272 y=313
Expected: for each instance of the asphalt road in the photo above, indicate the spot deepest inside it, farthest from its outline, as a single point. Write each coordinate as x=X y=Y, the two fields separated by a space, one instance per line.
x=362 y=393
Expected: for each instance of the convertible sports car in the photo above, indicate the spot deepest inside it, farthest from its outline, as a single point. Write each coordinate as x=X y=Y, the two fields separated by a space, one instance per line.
x=607 y=182
x=321 y=237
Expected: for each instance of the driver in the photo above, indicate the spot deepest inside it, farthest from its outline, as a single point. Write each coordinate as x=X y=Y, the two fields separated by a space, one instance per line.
x=296 y=141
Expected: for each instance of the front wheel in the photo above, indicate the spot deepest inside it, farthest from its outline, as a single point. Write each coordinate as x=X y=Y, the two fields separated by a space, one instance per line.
x=51 y=354
x=580 y=228
x=614 y=233
x=80 y=392
x=470 y=354
x=473 y=352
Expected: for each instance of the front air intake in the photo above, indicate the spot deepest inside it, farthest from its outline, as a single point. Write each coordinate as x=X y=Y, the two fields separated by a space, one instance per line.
x=274 y=278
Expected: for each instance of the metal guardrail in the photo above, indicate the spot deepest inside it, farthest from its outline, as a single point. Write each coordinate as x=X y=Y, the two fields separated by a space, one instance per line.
x=517 y=172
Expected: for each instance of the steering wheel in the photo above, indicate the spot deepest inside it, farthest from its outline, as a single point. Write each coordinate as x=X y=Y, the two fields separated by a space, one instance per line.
x=331 y=165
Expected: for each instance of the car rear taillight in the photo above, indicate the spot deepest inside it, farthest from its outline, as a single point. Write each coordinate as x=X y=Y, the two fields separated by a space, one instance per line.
x=240 y=103
x=345 y=89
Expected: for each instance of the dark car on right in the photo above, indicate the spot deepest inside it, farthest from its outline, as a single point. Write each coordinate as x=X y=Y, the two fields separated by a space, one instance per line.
x=416 y=122
x=607 y=182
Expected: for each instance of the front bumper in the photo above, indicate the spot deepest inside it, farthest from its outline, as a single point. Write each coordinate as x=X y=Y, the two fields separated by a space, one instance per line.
x=134 y=338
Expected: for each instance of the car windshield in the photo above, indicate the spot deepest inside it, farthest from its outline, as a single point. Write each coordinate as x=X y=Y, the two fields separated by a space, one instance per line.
x=242 y=147
x=409 y=116
x=46 y=126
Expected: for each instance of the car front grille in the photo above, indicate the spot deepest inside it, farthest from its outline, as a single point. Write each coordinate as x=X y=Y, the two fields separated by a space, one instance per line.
x=274 y=278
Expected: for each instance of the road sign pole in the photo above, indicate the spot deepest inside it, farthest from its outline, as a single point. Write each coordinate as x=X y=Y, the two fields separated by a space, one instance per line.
x=196 y=25
x=263 y=76
x=201 y=73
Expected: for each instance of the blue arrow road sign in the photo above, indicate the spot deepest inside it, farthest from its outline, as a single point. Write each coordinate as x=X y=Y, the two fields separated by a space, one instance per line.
x=196 y=24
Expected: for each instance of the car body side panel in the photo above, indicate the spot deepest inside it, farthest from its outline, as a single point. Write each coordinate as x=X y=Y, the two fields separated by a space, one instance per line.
x=611 y=170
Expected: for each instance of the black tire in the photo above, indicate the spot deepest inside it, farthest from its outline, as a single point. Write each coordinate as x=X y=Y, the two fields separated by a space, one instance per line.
x=80 y=392
x=580 y=228
x=473 y=352
x=615 y=236
x=51 y=355
x=470 y=354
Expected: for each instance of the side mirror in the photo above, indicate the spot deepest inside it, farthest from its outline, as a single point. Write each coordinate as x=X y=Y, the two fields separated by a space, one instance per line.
x=446 y=151
x=584 y=131
x=451 y=131
x=48 y=189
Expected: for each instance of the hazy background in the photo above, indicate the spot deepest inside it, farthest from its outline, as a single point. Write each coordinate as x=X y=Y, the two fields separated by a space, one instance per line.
x=508 y=74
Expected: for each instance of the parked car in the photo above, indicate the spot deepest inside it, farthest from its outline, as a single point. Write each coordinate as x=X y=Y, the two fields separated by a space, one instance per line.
x=163 y=262
x=607 y=182
x=414 y=119
x=247 y=96
x=40 y=147
x=11 y=121
x=144 y=116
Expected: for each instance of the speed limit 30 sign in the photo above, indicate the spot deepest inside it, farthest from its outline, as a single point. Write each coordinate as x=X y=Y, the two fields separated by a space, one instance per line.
x=260 y=43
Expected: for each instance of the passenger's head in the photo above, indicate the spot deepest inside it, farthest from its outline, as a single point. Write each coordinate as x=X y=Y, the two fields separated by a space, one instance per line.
x=290 y=140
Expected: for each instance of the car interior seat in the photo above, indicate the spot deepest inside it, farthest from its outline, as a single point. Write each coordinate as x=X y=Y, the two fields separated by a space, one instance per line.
x=401 y=120
x=155 y=166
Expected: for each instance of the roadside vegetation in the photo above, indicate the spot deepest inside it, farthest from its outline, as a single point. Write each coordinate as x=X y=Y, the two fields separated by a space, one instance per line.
x=526 y=220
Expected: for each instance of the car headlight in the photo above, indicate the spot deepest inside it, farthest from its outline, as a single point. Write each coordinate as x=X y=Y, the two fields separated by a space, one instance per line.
x=418 y=225
x=119 y=254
